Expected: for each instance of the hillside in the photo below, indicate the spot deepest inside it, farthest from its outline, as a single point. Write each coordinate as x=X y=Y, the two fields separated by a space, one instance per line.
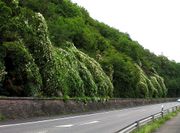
x=54 y=48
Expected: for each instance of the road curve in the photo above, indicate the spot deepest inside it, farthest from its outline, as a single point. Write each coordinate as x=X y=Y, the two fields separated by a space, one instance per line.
x=103 y=122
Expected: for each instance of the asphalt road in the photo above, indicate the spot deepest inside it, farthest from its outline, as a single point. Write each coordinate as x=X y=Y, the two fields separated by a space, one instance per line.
x=103 y=122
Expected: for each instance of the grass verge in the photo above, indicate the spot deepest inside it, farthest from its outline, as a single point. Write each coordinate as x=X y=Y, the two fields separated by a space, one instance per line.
x=151 y=127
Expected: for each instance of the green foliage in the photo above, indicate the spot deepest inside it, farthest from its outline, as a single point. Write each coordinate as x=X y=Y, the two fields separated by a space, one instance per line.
x=142 y=86
x=150 y=86
x=123 y=75
x=82 y=74
x=39 y=32
x=2 y=71
x=104 y=85
x=91 y=99
x=22 y=78
x=2 y=117
x=35 y=67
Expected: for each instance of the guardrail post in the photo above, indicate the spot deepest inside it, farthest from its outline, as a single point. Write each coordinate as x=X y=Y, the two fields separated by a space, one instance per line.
x=153 y=118
x=137 y=124
x=162 y=114
x=173 y=110
x=162 y=108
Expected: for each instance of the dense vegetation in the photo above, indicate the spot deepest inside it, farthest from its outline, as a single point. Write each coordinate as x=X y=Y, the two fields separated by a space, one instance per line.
x=54 y=48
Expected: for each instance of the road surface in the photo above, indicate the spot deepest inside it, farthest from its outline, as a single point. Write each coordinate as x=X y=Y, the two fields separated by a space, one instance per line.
x=103 y=122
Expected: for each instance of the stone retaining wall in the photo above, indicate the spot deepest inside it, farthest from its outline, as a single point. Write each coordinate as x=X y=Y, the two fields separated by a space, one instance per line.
x=18 y=108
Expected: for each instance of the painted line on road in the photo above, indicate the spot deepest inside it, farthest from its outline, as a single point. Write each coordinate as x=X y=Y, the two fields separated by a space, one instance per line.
x=70 y=125
x=37 y=131
x=44 y=131
x=51 y=120
x=65 y=126
x=88 y=123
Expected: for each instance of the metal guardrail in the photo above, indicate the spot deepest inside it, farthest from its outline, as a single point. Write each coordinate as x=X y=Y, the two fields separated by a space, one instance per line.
x=151 y=118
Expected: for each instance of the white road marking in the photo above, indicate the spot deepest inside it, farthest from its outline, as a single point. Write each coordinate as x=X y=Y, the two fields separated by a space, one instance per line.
x=38 y=131
x=87 y=123
x=42 y=132
x=65 y=126
x=51 y=120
